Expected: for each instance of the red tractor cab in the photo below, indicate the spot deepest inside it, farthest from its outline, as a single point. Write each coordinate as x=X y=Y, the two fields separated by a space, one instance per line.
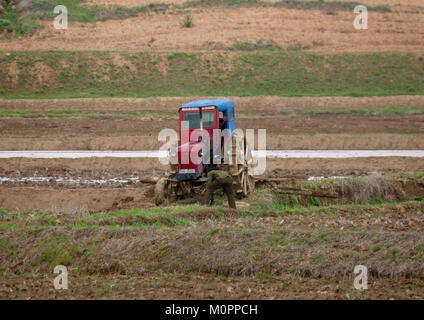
x=205 y=128
x=200 y=121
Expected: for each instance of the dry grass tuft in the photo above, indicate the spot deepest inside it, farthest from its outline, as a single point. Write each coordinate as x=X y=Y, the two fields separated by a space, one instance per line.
x=370 y=189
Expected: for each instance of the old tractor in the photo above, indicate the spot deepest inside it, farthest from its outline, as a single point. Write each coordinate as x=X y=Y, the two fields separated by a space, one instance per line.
x=208 y=140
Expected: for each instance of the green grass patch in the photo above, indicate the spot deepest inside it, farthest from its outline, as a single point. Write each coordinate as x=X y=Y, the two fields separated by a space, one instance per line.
x=135 y=218
x=414 y=175
x=77 y=11
x=395 y=252
x=157 y=217
x=10 y=21
x=278 y=206
x=278 y=73
x=174 y=216
x=291 y=4
x=418 y=251
x=388 y=111
x=376 y=247
x=58 y=250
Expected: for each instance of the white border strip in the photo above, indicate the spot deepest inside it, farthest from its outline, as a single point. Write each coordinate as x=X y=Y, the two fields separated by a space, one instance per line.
x=77 y=154
x=339 y=154
x=326 y=154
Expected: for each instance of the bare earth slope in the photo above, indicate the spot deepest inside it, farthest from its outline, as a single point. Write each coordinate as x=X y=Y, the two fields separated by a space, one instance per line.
x=221 y=28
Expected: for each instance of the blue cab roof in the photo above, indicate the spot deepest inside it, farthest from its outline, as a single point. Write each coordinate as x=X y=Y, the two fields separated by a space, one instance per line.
x=222 y=104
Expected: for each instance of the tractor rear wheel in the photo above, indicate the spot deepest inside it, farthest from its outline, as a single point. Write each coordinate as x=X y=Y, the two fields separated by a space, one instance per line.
x=166 y=190
x=243 y=181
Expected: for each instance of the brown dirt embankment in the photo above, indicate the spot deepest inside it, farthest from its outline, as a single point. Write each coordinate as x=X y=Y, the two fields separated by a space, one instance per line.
x=221 y=28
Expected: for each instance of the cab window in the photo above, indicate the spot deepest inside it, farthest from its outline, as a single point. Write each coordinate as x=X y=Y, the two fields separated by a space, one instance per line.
x=207 y=119
x=193 y=119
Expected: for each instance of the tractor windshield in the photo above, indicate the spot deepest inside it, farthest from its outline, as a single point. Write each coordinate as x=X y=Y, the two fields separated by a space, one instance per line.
x=193 y=119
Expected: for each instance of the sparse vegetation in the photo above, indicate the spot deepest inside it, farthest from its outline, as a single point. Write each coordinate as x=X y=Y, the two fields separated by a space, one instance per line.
x=258 y=45
x=291 y=4
x=395 y=252
x=372 y=189
x=10 y=21
x=419 y=251
x=376 y=247
x=192 y=214
x=188 y=21
x=296 y=46
x=413 y=175
x=43 y=9
x=223 y=251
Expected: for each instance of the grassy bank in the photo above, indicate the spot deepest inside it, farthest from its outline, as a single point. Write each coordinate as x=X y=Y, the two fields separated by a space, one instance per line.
x=62 y=74
x=259 y=251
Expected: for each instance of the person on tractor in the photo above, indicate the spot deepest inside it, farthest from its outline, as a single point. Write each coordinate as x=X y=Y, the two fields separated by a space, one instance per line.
x=219 y=179
x=222 y=126
x=222 y=123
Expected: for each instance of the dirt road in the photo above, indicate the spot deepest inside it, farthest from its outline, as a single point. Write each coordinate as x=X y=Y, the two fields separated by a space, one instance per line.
x=204 y=286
